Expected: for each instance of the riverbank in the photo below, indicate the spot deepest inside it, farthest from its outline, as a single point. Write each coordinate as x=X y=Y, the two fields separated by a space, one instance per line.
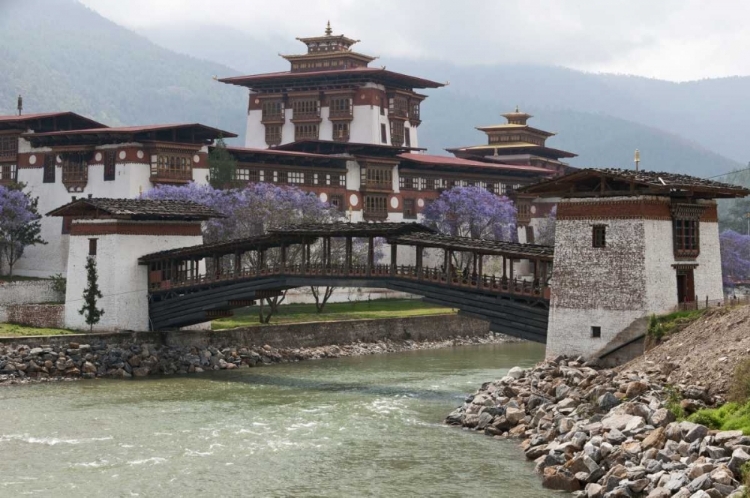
x=606 y=433
x=21 y=364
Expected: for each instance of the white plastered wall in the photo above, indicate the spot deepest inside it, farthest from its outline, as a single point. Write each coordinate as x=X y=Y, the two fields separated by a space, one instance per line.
x=122 y=281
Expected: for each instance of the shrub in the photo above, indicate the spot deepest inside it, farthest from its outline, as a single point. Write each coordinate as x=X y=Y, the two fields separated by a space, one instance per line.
x=730 y=417
x=59 y=283
x=673 y=402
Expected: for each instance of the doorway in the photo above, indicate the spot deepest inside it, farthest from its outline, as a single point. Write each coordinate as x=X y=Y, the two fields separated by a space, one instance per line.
x=685 y=286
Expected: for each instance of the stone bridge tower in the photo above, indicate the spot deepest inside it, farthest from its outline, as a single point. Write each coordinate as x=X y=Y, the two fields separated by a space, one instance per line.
x=629 y=244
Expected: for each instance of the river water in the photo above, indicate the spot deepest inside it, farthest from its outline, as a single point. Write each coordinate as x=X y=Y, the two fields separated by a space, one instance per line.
x=366 y=426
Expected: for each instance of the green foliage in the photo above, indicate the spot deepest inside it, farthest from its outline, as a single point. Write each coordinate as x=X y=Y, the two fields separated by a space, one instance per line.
x=59 y=283
x=222 y=166
x=729 y=417
x=739 y=390
x=673 y=402
x=663 y=325
x=91 y=293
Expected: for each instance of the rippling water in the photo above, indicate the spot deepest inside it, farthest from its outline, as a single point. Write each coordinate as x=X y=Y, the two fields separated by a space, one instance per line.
x=369 y=426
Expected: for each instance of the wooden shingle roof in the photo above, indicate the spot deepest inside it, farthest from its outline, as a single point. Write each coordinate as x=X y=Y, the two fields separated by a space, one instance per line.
x=136 y=209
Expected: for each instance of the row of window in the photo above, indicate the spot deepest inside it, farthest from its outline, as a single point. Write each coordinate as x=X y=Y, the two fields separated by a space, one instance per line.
x=376 y=176
x=75 y=167
x=337 y=63
x=255 y=175
x=407 y=182
x=685 y=237
x=532 y=139
x=273 y=110
x=307 y=131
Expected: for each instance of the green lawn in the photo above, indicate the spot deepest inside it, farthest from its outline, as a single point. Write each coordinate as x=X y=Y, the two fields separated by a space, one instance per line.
x=13 y=330
x=17 y=278
x=297 y=313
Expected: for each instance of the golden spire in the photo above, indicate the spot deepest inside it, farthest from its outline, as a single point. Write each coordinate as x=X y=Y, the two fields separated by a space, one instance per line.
x=517 y=111
x=329 y=31
x=637 y=159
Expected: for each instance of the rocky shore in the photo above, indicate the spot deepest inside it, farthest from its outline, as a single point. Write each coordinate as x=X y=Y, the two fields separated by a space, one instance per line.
x=606 y=433
x=22 y=364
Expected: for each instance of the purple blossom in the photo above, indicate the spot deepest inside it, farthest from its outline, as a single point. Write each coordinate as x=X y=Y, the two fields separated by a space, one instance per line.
x=472 y=212
x=735 y=257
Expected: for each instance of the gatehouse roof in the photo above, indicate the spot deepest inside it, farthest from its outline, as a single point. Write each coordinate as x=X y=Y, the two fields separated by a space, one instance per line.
x=596 y=182
x=136 y=209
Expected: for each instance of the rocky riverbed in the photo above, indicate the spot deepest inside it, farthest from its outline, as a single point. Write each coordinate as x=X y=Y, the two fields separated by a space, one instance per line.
x=22 y=364
x=605 y=433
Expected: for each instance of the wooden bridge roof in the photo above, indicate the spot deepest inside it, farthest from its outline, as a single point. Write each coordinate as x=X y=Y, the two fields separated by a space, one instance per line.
x=413 y=234
x=292 y=234
x=136 y=209
x=480 y=246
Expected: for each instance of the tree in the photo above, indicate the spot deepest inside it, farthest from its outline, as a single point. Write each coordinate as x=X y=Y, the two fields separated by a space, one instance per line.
x=222 y=166
x=20 y=223
x=546 y=229
x=250 y=212
x=91 y=293
x=472 y=212
x=735 y=257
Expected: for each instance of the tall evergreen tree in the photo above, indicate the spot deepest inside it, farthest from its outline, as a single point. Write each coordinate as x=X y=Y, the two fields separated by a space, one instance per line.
x=91 y=293
x=222 y=166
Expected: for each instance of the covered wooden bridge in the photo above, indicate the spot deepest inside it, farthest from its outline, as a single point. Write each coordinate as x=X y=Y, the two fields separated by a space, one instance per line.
x=195 y=284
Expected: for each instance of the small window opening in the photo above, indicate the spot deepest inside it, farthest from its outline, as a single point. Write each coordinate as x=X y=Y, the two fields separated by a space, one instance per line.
x=596 y=332
x=92 y=247
x=599 y=238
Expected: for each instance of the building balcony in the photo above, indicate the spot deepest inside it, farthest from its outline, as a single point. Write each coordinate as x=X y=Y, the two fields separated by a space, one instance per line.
x=341 y=137
x=273 y=118
x=374 y=186
x=343 y=114
x=306 y=117
x=374 y=215
x=394 y=112
x=171 y=176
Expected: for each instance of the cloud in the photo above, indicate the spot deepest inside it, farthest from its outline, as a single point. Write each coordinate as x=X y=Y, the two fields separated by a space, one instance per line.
x=669 y=39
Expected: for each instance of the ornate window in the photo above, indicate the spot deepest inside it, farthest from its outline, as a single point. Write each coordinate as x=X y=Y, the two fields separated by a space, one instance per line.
x=377 y=176
x=304 y=109
x=414 y=111
x=397 y=133
x=383 y=133
x=335 y=180
x=409 y=211
x=273 y=134
x=341 y=132
x=340 y=107
x=273 y=110
x=306 y=131
x=110 y=160
x=686 y=229
x=168 y=167
x=376 y=207
x=407 y=136
x=599 y=236
x=75 y=171
x=8 y=147
x=398 y=106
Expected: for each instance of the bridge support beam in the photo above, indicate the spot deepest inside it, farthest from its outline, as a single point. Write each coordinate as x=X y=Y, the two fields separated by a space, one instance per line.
x=348 y=250
x=370 y=254
x=394 y=255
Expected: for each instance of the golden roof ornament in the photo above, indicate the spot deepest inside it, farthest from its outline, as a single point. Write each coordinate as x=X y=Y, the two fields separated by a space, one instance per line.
x=329 y=31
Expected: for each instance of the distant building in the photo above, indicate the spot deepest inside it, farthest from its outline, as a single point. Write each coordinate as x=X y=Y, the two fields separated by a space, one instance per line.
x=63 y=156
x=629 y=244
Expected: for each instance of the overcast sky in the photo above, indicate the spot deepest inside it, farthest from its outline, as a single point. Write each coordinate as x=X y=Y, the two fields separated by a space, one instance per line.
x=669 y=39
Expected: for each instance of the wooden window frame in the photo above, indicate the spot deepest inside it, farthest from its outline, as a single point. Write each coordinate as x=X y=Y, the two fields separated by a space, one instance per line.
x=341 y=131
x=336 y=201
x=596 y=332
x=686 y=237
x=375 y=206
x=599 y=236
x=397 y=133
x=306 y=131
x=92 y=247
x=49 y=167
x=9 y=147
x=383 y=133
x=410 y=209
x=110 y=165
x=273 y=134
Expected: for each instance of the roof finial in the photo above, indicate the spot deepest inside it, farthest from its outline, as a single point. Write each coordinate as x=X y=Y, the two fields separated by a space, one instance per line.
x=20 y=105
x=329 y=31
x=637 y=159
x=517 y=111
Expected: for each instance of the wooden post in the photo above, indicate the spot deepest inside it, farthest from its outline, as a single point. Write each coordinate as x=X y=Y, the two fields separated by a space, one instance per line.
x=370 y=255
x=237 y=263
x=448 y=270
x=283 y=258
x=420 y=253
x=446 y=264
x=217 y=266
x=328 y=253
x=512 y=284
x=504 y=267
x=394 y=255
x=348 y=257
x=480 y=277
x=262 y=259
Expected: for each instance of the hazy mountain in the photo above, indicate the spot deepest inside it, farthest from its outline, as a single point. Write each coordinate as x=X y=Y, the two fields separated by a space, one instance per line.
x=62 y=56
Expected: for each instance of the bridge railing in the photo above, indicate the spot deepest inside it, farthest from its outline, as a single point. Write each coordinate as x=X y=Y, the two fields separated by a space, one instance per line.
x=455 y=278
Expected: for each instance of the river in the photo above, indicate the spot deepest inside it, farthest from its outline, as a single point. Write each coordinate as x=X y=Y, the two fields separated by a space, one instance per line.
x=365 y=426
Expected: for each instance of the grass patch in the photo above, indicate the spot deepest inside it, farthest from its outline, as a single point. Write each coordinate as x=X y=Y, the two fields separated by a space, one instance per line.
x=662 y=325
x=14 y=330
x=357 y=310
x=730 y=417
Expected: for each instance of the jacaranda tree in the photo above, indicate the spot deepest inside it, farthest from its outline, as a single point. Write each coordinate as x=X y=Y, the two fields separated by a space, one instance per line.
x=472 y=212
x=250 y=212
x=20 y=224
x=735 y=257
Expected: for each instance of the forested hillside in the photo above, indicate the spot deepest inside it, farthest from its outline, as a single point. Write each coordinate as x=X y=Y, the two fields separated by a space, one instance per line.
x=62 y=56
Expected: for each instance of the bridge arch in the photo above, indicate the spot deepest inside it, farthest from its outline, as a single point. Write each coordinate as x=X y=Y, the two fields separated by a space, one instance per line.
x=195 y=284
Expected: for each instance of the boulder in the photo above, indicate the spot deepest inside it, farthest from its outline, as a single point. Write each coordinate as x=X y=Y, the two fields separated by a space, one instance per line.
x=661 y=417
x=560 y=479
x=514 y=415
x=607 y=401
x=656 y=439
x=739 y=458
x=659 y=493
x=516 y=372
x=635 y=389
x=620 y=422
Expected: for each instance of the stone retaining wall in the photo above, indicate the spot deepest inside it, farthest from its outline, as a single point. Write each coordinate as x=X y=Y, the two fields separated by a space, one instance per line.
x=298 y=335
x=36 y=315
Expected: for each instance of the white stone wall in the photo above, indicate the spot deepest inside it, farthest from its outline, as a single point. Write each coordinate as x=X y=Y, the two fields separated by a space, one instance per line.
x=122 y=281
x=255 y=136
x=28 y=292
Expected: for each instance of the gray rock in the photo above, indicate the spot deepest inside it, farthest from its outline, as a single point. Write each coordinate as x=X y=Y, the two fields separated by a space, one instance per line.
x=739 y=458
x=607 y=401
x=696 y=433
x=700 y=482
x=676 y=481
x=516 y=372
x=659 y=493
x=594 y=490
